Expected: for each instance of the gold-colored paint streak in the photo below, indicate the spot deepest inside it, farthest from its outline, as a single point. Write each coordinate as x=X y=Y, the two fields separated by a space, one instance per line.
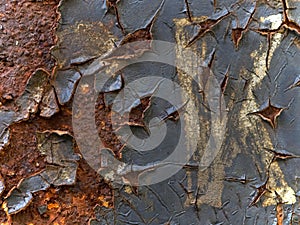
x=246 y=123
x=184 y=61
x=296 y=42
x=196 y=20
x=260 y=69
x=128 y=189
x=275 y=20
x=204 y=49
x=276 y=180
x=277 y=186
x=188 y=61
x=275 y=42
x=213 y=195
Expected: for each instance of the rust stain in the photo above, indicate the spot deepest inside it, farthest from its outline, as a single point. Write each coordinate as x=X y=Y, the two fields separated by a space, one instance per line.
x=279 y=214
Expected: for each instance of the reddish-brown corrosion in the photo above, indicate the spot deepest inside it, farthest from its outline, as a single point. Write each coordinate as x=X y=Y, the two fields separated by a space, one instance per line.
x=27 y=31
x=27 y=34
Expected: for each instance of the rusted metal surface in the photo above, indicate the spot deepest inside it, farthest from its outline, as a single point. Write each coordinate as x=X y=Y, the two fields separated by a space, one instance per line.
x=27 y=94
x=27 y=33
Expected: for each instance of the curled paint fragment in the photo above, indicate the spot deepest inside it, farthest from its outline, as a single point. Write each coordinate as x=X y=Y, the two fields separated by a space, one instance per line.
x=29 y=101
x=6 y=118
x=65 y=83
x=16 y=201
x=49 y=105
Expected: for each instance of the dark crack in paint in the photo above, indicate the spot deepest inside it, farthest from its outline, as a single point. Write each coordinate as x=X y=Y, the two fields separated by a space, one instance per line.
x=269 y=113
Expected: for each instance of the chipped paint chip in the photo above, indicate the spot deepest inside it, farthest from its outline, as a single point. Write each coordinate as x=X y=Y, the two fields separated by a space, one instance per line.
x=4 y=139
x=65 y=84
x=16 y=201
x=59 y=151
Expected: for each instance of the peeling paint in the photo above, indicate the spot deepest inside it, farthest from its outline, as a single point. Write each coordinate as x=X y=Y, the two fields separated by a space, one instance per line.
x=95 y=36
x=192 y=60
x=286 y=193
x=4 y=139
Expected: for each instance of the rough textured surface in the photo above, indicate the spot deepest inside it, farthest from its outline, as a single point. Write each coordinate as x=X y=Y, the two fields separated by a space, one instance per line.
x=251 y=47
x=27 y=33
